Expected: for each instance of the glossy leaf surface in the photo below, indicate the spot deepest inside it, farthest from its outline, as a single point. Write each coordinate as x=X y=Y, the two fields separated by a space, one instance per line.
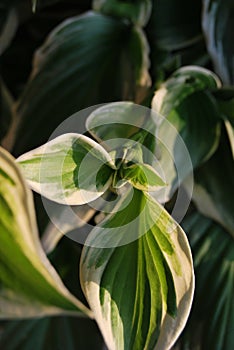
x=137 y=275
x=29 y=285
x=71 y=169
x=212 y=325
x=218 y=26
x=73 y=70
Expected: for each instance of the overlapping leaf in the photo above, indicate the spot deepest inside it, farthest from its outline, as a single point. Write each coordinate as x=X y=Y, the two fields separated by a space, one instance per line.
x=8 y=23
x=190 y=110
x=225 y=100
x=117 y=120
x=175 y=37
x=71 y=169
x=29 y=285
x=6 y=114
x=170 y=28
x=87 y=60
x=137 y=275
x=211 y=325
x=214 y=183
x=137 y=12
x=69 y=333
x=218 y=26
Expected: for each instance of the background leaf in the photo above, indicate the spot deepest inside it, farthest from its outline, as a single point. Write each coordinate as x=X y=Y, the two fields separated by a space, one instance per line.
x=211 y=323
x=51 y=333
x=189 y=108
x=135 y=289
x=175 y=37
x=170 y=28
x=6 y=113
x=29 y=285
x=137 y=12
x=214 y=182
x=75 y=69
x=218 y=26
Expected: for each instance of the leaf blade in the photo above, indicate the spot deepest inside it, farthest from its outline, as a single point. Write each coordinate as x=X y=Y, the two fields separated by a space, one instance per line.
x=29 y=285
x=133 y=315
x=70 y=169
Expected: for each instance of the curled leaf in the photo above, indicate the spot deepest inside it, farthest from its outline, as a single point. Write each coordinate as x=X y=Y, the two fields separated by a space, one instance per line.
x=70 y=169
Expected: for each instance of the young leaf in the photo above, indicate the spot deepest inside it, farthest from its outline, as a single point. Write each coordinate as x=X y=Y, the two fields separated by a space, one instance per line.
x=29 y=285
x=142 y=176
x=117 y=120
x=137 y=275
x=70 y=169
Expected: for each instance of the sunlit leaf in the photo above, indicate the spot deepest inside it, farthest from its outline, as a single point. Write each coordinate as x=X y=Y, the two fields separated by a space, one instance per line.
x=126 y=128
x=118 y=120
x=29 y=285
x=192 y=125
x=211 y=324
x=71 y=169
x=137 y=275
x=218 y=26
x=87 y=60
x=142 y=176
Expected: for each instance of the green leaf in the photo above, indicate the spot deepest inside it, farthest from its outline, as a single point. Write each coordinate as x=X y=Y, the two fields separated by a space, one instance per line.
x=51 y=333
x=137 y=275
x=76 y=67
x=70 y=169
x=125 y=129
x=6 y=114
x=117 y=120
x=64 y=221
x=142 y=176
x=136 y=12
x=192 y=114
x=29 y=285
x=8 y=24
x=214 y=182
x=172 y=29
x=34 y=5
x=182 y=84
x=230 y=133
x=211 y=324
x=218 y=26
x=225 y=100
x=175 y=37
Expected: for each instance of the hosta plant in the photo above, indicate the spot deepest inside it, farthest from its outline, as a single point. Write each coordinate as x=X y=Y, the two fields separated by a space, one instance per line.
x=117 y=143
